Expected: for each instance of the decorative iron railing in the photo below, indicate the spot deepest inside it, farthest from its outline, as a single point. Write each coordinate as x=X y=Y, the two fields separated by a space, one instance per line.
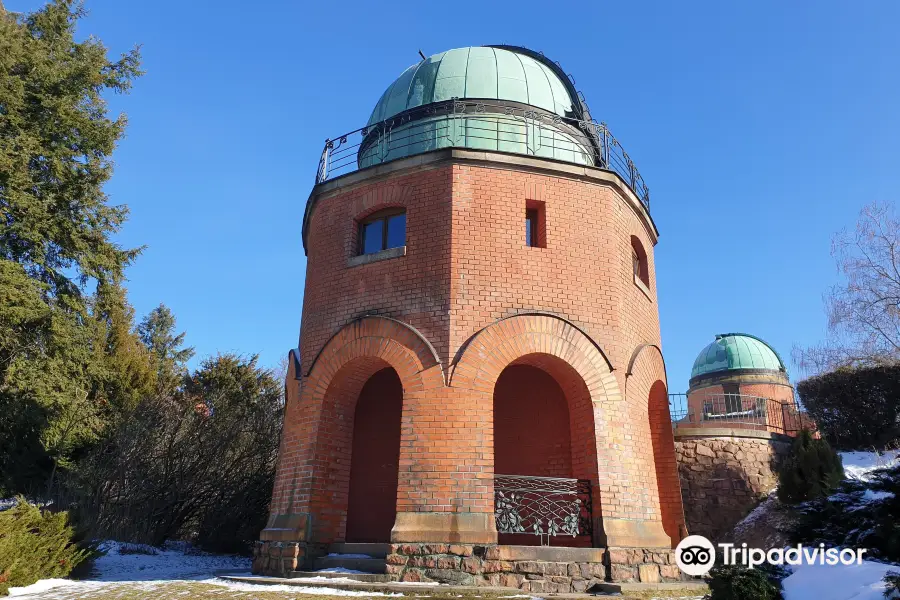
x=740 y=410
x=479 y=125
x=542 y=506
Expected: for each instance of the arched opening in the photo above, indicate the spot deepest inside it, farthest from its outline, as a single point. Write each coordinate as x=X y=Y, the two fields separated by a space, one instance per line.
x=545 y=454
x=374 y=459
x=663 y=441
x=639 y=262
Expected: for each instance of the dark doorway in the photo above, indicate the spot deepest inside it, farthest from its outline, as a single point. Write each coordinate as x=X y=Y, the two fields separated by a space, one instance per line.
x=372 y=505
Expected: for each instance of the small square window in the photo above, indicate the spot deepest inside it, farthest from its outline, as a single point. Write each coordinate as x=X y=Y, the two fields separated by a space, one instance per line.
x=381 y=231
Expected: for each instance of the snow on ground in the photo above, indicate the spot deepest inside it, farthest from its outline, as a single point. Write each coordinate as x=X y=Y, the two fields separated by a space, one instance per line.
x=859 y=465
x=870 y=496
x=64 y=589
x=135 y=568
x=337 y=555
x=6 y=503
x=296 y=589
x=168 y=563
x=838 y=582
x=341 y=570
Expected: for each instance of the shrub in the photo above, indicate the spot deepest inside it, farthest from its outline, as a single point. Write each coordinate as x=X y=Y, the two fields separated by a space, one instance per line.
x=198 y=465
x=811 y=470
x=892 y=584
x=856 y=409
x=857 y=515
x=730 y=582
x=35 y=544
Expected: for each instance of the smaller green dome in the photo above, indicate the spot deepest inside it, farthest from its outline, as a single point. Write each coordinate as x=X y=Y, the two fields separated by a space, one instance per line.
x=734 y=351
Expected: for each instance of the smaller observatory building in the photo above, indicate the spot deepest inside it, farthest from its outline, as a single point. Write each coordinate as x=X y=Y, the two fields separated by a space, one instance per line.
x=732 y=429
x=739 y=378
x=478 y=395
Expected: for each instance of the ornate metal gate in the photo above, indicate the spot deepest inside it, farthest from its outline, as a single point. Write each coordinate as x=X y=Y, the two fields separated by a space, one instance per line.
x=542 y=506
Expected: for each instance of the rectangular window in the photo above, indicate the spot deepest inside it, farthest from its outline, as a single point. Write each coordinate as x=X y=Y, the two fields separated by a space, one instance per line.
x=531 y=220
x=535 y=224
x=383 y=230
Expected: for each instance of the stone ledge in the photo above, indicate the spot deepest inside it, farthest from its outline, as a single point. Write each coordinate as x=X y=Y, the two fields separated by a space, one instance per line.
x=436 y=158
x=364 y=259
x=551 y=553
x=729 y=432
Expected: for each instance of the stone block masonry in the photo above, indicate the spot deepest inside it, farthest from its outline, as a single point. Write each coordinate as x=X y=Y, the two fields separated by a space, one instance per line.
x=723 y=477
x=279 y=559
x=531 y=569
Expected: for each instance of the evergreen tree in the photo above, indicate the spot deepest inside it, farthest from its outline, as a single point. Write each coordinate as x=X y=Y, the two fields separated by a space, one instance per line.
x=811 y=470
x=56 y=144
x=62 y=349
x=157 y=332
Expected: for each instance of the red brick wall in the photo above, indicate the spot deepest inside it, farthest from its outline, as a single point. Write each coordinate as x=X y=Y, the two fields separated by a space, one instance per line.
x=666 y=466
x=531 y=424
x=466 y=269
x=415 y=287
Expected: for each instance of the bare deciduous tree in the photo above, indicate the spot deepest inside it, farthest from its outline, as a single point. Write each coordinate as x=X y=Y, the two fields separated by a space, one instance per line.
x=864 y=310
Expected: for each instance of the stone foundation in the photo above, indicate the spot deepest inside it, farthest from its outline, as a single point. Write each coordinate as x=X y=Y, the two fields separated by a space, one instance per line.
x=278 y=559
x=724 y=474
x=530 y=568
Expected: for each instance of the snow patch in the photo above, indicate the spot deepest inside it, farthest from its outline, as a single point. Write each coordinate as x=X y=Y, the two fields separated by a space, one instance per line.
x=760 y=512
x=336 y=555
x=240 y=586
x=341 y=570
x=839 y=582
x=120 y=563
x=872 y=496
x=40 y=587
x=860 y=465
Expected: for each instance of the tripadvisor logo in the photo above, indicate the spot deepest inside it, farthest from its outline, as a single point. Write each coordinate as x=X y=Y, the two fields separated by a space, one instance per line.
x=696 y=555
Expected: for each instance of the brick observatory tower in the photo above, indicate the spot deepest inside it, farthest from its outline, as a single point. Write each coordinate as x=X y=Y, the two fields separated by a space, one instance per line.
x=479 y=394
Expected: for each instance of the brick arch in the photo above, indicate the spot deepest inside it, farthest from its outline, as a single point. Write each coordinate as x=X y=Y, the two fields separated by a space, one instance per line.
x=377 y=197
x=646 y=393
x=576 y=361
x=642 y=352
x=310 y=494
x=484 y=356
x=399 y=345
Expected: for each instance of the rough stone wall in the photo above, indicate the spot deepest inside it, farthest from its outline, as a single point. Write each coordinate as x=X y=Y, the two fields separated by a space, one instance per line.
x=530 y=569
x=724 y=478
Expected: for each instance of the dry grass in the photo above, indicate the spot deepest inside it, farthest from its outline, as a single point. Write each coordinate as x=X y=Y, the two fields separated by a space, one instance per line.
x=184 y=590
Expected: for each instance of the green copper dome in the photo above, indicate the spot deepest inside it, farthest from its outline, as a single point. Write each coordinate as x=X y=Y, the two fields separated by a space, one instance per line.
x=486 y=73
x=516 y=100
x=734 y=351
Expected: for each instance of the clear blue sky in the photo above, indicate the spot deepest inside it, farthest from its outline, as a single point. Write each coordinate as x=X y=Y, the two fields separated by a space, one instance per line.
x=760 y=127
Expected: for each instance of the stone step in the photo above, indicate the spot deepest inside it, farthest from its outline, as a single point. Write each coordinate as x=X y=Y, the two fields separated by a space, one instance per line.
x=362 y=577
x=368 y=565
x=373 y=550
